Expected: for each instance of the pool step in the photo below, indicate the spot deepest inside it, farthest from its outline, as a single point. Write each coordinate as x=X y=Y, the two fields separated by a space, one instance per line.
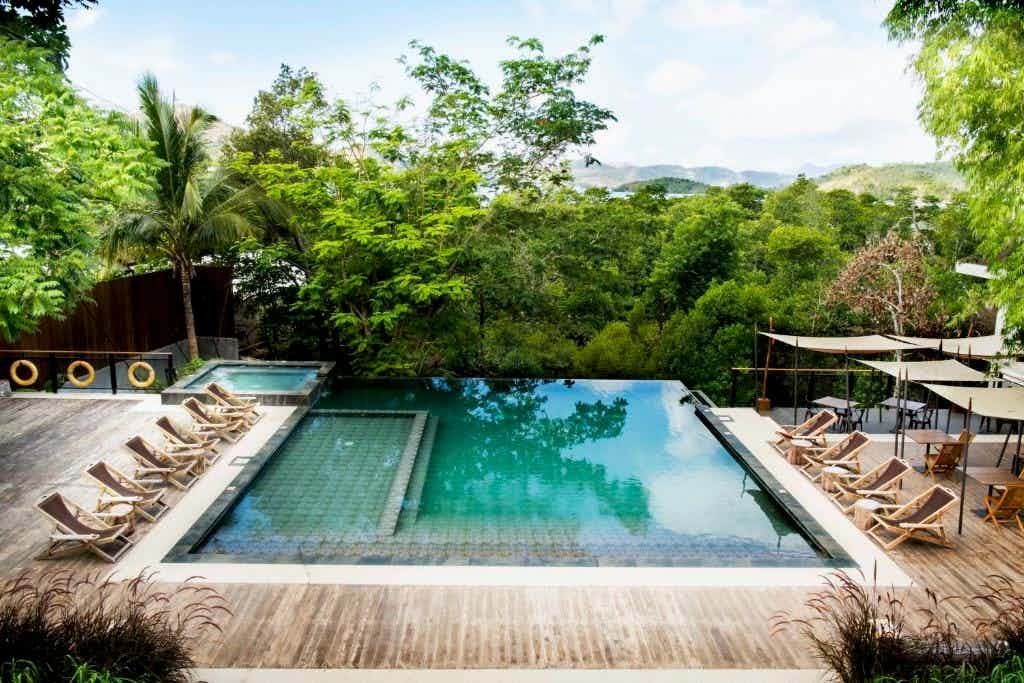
x=399 y=485
x=414 y=494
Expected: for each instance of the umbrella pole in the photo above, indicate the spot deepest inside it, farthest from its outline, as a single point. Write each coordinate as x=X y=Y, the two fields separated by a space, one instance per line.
x=1017 y=456
x=849 y=409
x=963 y=474
x=796 y=379
x=899 y=418
x=906 y=397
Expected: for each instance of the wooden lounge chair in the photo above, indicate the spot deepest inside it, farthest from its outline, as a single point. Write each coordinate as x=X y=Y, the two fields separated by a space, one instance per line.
x=1006 y=506
x=230 y=403
x=813 y=429
x=226 y=427
x=116 y=487
x=167 y=468
x=947 y=458
x=920 y=519
x=881 y=482
x=76 y=529
x=844 y=453
x=178 y=439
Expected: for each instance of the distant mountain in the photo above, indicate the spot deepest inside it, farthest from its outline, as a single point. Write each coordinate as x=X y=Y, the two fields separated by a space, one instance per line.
x=939 y=179
x=671 y=185
x=604 y=175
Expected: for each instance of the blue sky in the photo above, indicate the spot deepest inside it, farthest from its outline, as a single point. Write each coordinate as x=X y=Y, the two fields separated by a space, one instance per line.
x=749 y=84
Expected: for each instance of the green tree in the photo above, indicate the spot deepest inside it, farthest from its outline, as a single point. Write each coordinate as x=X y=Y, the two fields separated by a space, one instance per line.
x=194 y=209
x=40 y=23
x=519 y=134
x=65 y=168
x=970 y=62
x=699 y=346
x=703 y=248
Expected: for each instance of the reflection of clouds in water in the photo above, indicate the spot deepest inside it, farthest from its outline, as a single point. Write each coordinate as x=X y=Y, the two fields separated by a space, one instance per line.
x=609 y=387
x=680 y=506
x=702 y=494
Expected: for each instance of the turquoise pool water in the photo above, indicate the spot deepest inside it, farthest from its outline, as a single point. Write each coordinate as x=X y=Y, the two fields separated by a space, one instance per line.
x=242 y=378
x=507 y=472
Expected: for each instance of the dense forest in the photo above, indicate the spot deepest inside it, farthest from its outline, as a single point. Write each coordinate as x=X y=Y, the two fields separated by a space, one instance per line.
x=451 y=240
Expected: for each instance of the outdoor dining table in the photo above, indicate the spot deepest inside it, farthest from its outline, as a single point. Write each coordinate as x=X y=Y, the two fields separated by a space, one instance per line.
x=837 y=404
x=902 y=406
x=993 y=476
x=929 y=438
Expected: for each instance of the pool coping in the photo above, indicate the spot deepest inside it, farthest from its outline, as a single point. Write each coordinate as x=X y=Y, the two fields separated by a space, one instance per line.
x=305 y=396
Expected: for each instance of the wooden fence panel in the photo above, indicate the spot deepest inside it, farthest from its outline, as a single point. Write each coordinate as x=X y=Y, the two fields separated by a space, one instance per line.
x=139 y=313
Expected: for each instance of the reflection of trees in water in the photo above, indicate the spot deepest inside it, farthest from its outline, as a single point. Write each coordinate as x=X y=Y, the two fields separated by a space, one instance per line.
x=519 y=453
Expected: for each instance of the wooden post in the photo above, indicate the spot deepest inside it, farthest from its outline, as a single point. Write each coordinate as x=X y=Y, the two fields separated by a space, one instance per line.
x=113 y=373
x=796 y=379
x=849 y=409
x=963 y=474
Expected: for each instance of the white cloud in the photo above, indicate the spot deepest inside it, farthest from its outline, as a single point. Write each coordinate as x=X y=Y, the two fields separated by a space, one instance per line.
x=687 y=15
x=674 y=76
x=83 y=18
x=222 y=57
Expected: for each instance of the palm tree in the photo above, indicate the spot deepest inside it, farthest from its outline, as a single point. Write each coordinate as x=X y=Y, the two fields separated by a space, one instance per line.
x=195 y=208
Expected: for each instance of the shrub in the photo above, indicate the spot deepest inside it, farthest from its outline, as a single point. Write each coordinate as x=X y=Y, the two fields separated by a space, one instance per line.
x=126 y=629
x=862 y=634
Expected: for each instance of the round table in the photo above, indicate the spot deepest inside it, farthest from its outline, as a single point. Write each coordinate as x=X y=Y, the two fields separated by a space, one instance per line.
x=122 y=513
x=830 y=475
x=862 y=511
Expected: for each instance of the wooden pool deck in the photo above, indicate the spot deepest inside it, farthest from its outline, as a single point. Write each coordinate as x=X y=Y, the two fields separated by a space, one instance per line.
x=45 y=443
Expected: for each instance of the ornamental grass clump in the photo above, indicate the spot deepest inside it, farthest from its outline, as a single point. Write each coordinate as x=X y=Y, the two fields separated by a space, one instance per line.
x=864 y=634
x=55 y=623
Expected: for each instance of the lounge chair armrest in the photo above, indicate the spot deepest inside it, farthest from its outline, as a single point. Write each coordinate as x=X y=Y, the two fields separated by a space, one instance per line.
x=891 y=506
x=847 y=475
x=841 y=463
x=120 y=499
x=910 y=525
x=154 y=470
x=73 y=537
x=873 y=492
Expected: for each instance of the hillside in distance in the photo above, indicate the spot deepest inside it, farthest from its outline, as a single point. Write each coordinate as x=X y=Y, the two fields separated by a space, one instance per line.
x=671 y=185
x=939 y=179
x=605 y=175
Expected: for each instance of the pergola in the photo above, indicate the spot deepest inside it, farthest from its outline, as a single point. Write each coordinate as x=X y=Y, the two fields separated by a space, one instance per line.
x=999 y=403
x=862 y=345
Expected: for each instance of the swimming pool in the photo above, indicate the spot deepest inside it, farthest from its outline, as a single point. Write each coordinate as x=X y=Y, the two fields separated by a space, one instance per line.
x=245 y=378
x=511 y=472
x=271 y=382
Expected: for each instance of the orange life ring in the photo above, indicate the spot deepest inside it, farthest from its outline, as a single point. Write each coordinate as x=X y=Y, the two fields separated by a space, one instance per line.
x=150 y=376
x=33 y=372
x=90 y=374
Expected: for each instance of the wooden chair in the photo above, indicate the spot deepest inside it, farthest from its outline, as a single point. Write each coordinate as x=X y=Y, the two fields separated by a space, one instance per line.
x=178 y=439
x=229 y=428
x=812 y=429
x=117 y=487
x=844 y=453
x=948 y=456
x=881 y=482
x=1006 y=506
x=920 y=519
x=77 y=530
x=167 y=468
x=232 y=404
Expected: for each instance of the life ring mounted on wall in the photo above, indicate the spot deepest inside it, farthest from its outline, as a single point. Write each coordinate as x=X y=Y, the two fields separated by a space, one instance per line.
x=141 y=383
x=81 y=382
x=33 y=372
